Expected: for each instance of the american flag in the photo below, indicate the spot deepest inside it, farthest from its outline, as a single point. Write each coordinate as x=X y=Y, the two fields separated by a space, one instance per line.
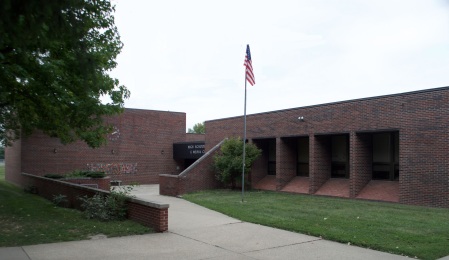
x=249 y=67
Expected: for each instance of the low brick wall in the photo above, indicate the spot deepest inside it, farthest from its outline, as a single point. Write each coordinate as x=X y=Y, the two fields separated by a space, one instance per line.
x=151 y=214
x=100 y=183
x=198 y=176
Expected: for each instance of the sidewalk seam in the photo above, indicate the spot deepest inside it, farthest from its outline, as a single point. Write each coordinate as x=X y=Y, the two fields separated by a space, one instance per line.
x=23 y=249
x=300 y=243
x=211 y=244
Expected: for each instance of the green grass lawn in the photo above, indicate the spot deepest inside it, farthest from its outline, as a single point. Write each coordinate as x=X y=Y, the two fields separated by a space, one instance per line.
x=27 y=219
x=390 y=227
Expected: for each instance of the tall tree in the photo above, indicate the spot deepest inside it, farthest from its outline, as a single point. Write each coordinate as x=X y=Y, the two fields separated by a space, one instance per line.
x=198 y=128
x=54 y=62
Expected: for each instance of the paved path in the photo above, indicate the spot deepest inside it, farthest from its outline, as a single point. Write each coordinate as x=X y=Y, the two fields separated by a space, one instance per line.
x=197 y=233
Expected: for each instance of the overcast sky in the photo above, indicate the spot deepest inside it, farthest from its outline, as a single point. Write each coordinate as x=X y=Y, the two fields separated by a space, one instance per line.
x=187 y=56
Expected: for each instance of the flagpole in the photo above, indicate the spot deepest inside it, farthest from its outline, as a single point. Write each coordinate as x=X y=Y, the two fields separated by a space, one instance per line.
x=249 y=76
x=244 y=146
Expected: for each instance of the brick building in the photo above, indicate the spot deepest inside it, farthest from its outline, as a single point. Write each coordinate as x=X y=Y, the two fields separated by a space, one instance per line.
x=390 y=148
x=139 y=149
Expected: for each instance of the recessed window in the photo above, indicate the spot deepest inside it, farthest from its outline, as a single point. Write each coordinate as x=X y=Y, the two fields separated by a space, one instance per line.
x=303 y=157
x=386 y=156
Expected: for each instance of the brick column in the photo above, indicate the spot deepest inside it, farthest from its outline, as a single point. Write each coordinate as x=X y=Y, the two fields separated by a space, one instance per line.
x=320 y=161
x=360 y=162
x=13 y=163
x=285 y=161
x=259 y=169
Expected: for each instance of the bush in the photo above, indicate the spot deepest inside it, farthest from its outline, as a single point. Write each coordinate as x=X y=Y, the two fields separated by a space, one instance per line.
x=106 y=207
x=229 y=162
x=85 y=174
x=95 y=174
x=60 y=200
x=76 y=174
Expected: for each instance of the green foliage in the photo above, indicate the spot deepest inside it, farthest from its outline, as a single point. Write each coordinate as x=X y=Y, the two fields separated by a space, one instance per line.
x=229 y=162
x=60 y=200
x=2 y=152
x=31 y=189
x=198 y=128
x=54 y=64
x=76 y=174
x=107 y=208
x=86 y=174
x=27 y=219
x=54 y=176
x=95 y=174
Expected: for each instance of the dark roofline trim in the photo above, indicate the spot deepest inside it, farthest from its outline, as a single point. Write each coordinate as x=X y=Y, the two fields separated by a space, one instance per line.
x=340 y=102
x=152 y=110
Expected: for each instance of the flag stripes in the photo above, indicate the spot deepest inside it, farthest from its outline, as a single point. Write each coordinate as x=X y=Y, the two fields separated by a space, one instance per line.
x=249 y=67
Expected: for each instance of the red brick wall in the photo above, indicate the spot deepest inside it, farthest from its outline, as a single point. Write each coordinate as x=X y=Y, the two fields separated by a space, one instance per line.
x=101 y=183
x=171 y=185
x=195 y=137
x=260 y=166
x=362 y=158
x=198 y=176
x=13 y=164
x=320 y=162
x=150 y=214
x=143 y=150
x=420 y=117
x=286 y=156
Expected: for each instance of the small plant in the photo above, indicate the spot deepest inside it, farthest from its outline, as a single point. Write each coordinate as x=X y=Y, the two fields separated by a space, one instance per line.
x=107 y=207
x=86 y=174
x=95 y=174
x=60 y=200
x=31 y=189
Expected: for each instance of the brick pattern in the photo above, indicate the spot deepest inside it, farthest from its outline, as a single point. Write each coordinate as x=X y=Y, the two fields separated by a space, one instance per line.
x=199 y=176
x=298 y=185
x=267 y=183
x=335 y=187
x=420 y=117
x=259 y=169
x=320 y=162
x=13 y=163
x=155 y=216
x=171 y=185
x=361 y=160
x=100 y=183
x=145 y=143
x=380 y=190
x=195 y=137
x=286 y=156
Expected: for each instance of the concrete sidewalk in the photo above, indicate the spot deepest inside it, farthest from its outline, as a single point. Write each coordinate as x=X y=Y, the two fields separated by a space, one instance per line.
x=197 y=233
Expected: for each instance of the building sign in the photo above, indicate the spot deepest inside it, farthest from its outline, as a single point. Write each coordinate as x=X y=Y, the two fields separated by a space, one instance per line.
x=190 y=150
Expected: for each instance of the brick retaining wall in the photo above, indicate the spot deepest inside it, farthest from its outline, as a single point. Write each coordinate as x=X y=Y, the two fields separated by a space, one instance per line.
x=151 y=214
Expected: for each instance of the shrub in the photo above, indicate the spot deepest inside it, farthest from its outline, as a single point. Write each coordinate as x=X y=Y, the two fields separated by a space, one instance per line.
x=87 y=174
x=229 y=162
x=106 y=207
x=60 y=200
x=95 y=174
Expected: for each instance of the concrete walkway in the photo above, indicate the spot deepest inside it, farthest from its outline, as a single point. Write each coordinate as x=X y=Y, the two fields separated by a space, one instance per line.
x=197 y=233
